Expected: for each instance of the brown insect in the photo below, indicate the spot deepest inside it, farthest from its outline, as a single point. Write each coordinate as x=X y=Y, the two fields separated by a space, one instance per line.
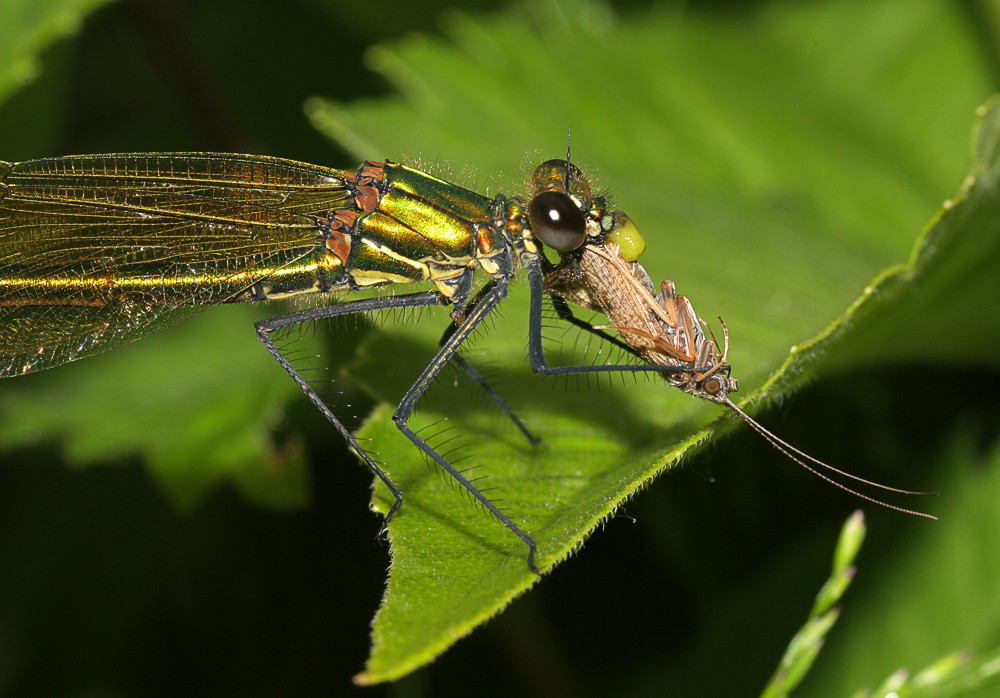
x=665 y=331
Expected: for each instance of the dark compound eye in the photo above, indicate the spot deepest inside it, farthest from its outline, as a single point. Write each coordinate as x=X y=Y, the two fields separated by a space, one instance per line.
x=712 y=386
x=556 y=221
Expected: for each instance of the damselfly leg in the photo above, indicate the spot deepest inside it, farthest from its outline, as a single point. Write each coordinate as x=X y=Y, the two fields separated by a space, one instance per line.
x=536 y=354
x=478 y=377
x=266 y=327
x=566 y=314
x=453 y=339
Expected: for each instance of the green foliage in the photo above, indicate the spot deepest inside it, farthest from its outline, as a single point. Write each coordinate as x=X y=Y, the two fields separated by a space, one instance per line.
x=956 y=673
x=714 y=187
x=806 y=644
x=780 y=159
x=28 y=27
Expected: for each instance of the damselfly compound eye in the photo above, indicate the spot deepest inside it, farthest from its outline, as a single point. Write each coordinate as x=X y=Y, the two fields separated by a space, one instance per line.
x=556 y=221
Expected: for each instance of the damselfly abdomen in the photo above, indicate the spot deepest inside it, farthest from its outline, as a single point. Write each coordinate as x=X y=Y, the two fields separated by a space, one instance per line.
x=97 y=251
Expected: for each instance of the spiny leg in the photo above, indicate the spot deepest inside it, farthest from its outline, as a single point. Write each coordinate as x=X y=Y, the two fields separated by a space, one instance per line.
x=476 y=376
x=270 y=325
x=565 y=313
x=536 y=354
x=482 y=308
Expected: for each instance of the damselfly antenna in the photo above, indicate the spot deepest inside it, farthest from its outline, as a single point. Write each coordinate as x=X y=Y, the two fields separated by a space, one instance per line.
x=569 y=159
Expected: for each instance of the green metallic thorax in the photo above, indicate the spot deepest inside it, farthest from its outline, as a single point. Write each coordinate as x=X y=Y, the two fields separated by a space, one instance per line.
x=411 y=226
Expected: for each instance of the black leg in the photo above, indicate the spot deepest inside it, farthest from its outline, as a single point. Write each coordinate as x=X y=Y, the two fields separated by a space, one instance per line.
x=565 y=313
x=266 y=327
x=478 y=377
x=495 y=396
x=483 y=306
x=537 y=355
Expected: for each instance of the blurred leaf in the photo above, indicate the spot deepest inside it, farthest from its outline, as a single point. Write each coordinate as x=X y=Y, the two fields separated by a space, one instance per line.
x=27 y=28
x=942 y=596
x=805 y=646
x=790 y=175
x=224 y=434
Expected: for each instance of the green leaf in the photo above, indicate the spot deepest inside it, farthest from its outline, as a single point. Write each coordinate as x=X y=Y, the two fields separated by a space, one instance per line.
x=225 y=435
x=28 y=27
x=774 y=177
x=805 y=646
x=851 y=538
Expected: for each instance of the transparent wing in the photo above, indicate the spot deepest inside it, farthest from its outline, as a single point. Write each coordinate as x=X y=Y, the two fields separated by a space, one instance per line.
x=97 y=251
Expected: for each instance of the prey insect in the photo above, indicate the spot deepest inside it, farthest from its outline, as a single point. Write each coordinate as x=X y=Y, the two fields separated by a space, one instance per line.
x=665 y=331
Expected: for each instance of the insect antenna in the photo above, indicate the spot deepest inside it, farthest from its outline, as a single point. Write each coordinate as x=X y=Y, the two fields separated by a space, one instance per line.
x=569 y=160
x=793 y=454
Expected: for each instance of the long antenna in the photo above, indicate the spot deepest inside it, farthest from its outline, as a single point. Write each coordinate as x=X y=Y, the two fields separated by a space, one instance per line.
x=787 y=449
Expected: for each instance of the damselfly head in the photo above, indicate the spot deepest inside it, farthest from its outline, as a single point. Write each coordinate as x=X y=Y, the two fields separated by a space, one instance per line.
x=560 y=201
x=564 y=215
x=563 y=176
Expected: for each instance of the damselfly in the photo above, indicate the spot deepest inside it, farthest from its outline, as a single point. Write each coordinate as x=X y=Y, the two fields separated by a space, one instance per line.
x=100 y=250
x=665 y=331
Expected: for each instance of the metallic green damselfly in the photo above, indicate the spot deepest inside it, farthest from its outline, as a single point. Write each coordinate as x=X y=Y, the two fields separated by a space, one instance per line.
x=100 y=250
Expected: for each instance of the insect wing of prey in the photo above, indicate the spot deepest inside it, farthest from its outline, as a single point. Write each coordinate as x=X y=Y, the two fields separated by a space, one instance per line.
x=665 y=331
